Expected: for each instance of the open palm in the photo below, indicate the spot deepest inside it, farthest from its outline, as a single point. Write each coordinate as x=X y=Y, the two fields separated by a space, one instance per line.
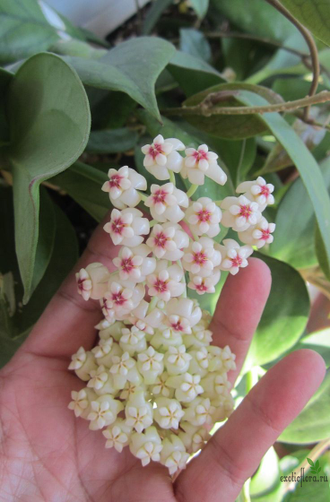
x=46 y=454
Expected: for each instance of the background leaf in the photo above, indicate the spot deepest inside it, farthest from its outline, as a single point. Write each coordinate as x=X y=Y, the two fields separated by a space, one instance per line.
x=318 y=341
x=313 y=423
x=285 y=315
x=200 y=7
x=195 y=43
x=156 y=10
x=321 y=253
x=313 y=14
x=24 y=30
x=83 y=183
x=123 y=69
x=112 y=140
x=50 y=122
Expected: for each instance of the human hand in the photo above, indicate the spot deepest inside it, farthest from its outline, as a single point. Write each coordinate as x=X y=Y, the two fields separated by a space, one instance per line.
x=46 y=454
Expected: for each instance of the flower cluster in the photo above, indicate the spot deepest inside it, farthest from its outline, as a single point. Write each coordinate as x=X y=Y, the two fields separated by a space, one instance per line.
x=155 y=382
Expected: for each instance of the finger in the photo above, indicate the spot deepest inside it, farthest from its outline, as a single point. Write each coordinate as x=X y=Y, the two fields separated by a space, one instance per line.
x=239 y=309
x=68 y=321
x=235 y=451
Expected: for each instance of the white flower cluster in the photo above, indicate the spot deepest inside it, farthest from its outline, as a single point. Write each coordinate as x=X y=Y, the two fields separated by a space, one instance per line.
x=154 y=381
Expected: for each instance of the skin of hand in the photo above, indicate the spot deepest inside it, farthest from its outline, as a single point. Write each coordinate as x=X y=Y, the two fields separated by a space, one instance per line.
x=47 y=454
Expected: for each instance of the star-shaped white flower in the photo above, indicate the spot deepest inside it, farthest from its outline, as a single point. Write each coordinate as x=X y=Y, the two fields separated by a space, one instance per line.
x=79 y=402
x=165 y=201
x=204 y=285
x=189 y=389
x=258 y=191
x=103 y=348
x=168 y=413
x=117 y=435
x=122 y=365
x=240 y=213
x=163 y=155
x=167 y=241
x=200 y=163
x=150 y=360
x=201 y=258
x=101 y=415
x=258 y=235
x=134 y=264
x=138 y=417
x=204 y=217
x=92 y=281
x=127 y=227
x=234 y=256
x=123 y=185
x=98 y=378
x=182 y=314
x=166 y=282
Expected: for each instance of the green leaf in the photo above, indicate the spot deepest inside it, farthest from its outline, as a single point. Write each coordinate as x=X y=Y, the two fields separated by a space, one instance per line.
x=285 y=315
x=279 y=159
x=83 y=183
x=193 y=74
x=313 y=423
x=304 y=161
x=317 y=464
x=231 y=126
x=200 y=7
x=153 y=14
x=321 y=253
x=112 y=141
x=195 y=43
x=267 y=475
x=16 y=320
x=77 y=48
x=257 y=18
x=313 y=14
x=5 y=78
x=50 y=123
x=24 y=30
x=318 y=341
x=310 y=461
x=124 y=69
x=294 y=238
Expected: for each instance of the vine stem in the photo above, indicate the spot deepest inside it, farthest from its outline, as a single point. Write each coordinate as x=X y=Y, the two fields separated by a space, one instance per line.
x=207 y=109
x=311 y=45
x=192 y=190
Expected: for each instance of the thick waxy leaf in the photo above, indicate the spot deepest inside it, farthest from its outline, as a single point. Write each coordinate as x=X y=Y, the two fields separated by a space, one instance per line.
x=284 y=318
x=195 y=43
x=231 y=126
x=112 y=141
x=321 y=253
x=313 y=423
x=318 y=341
x=124 y=69
x=24 y=30
x=83 y=183
x=267 y=478
x=50 y=122
x=16 y=320
x=193 y=74
x=156 y=10
x=5 y=78
x=304 y=161
x=295 y=229
x=314 y=14
x=256 y=17
x=200 y=7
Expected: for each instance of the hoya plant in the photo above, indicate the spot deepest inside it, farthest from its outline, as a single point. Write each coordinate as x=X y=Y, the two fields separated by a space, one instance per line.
x=190 y=138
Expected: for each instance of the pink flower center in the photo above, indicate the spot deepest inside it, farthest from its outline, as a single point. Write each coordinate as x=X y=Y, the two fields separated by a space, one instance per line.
x=81 y=284
x=118 y=298
x=115 y=180
x=265 y=234
x=127 y=264
x=159 y=196
x=155 y=149
x=264 y=190
x=245 y=211
x=200 y=155
x=199 y=258
x=204 y=216
x=236 y=262
x=160 y=240
x=201 y=287
x=117 y=226
x=160 y=286
x=177 y=326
